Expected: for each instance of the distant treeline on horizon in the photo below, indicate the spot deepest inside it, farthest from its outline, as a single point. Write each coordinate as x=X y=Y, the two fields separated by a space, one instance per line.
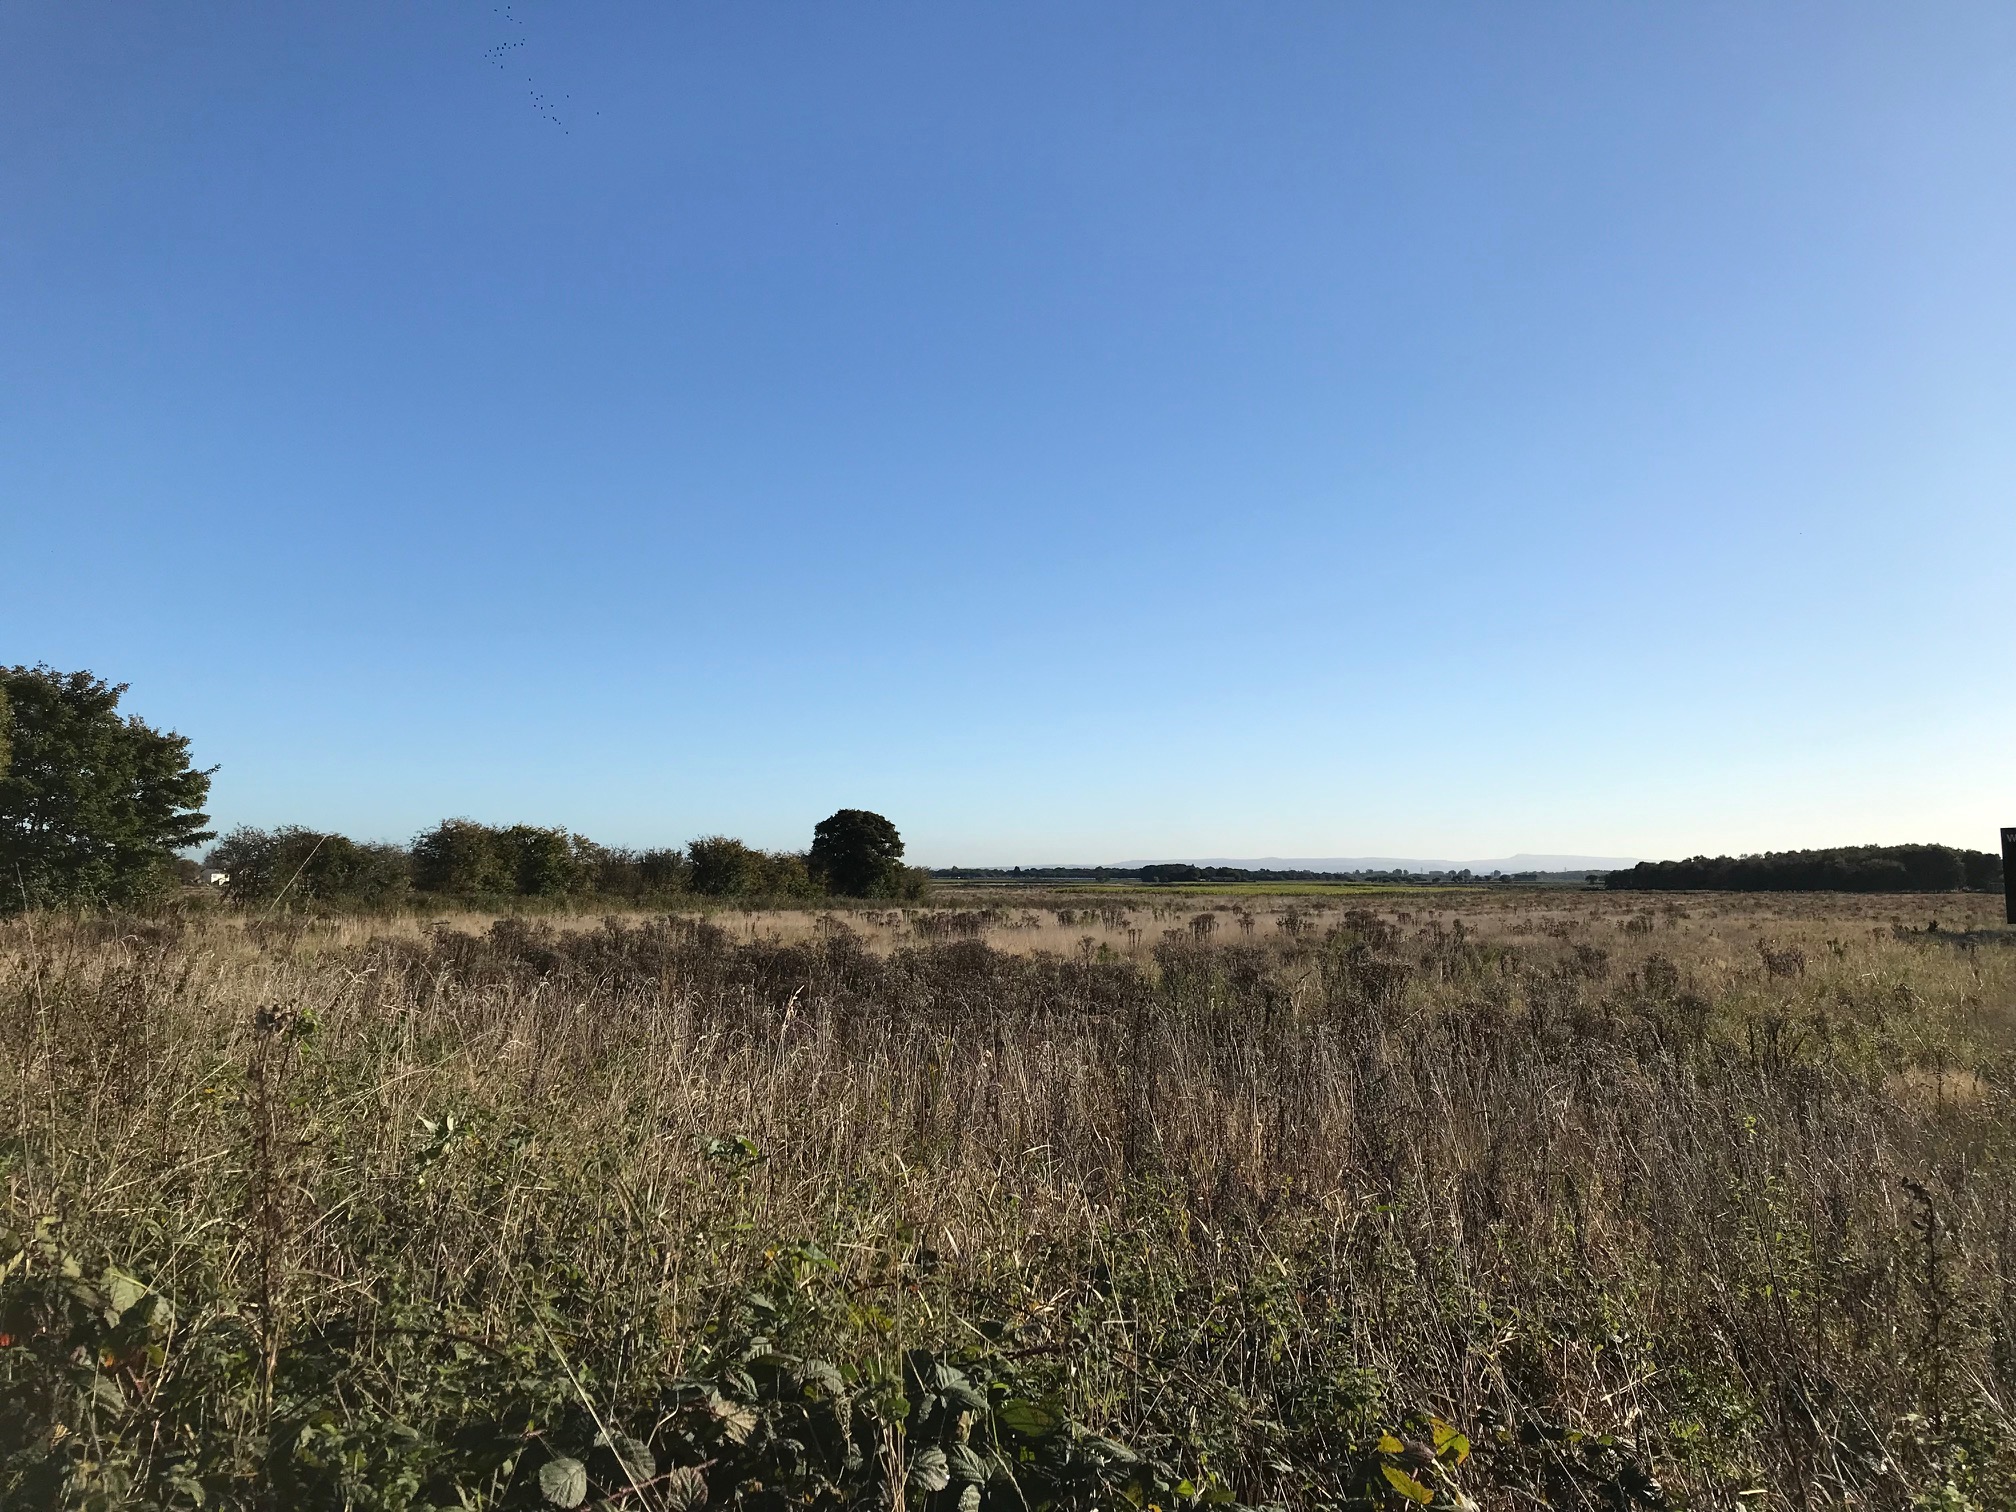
x=1164 y=872
x=1848 y=868
x=462 y=858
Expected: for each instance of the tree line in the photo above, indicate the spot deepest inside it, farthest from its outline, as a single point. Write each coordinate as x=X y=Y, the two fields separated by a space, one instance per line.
x=854 y=853
x=96 y=805
x=1848 y=868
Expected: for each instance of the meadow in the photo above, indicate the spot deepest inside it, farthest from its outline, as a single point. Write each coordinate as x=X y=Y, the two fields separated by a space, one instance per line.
x=1507 y=1198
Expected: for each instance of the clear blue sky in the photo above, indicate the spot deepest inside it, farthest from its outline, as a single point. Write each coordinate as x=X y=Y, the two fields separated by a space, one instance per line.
x=1075 y=430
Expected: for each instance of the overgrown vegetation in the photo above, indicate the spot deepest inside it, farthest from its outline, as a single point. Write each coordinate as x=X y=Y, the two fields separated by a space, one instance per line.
x=1851 y=868
x=1595 y=1206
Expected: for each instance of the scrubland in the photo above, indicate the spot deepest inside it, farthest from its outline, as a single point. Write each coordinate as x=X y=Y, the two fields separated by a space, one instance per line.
x=1515 y=1199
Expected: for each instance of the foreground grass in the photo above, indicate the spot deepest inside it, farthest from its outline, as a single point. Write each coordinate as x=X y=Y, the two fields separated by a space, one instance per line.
x=1559 y=1200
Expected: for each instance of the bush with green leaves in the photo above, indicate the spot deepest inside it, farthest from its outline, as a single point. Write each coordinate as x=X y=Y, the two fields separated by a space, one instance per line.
x=721 y=867
x=543 y=862
x=297 y=865
x=460 y=856
x=661 y=873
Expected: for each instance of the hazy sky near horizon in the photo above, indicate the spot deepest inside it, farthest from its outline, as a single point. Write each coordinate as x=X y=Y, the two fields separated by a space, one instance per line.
x=1076 y=431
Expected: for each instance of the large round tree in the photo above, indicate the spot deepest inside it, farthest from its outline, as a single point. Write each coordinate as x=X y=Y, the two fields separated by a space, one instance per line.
x=857 y=854
x=93 y=805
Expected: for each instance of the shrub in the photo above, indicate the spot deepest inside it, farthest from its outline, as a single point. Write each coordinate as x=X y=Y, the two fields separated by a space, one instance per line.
x=613 y=872
x=783 y=875
x=722 y=867
x=542 y=862
x=308 y=865
x=462 y=856
x=662 y=870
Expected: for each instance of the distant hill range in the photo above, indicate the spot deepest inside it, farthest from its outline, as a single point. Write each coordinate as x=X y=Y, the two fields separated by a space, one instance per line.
x=1523 y=862
x=1524 y=867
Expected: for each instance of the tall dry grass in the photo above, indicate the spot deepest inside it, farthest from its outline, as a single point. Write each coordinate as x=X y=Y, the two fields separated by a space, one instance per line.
x=1688 y=1202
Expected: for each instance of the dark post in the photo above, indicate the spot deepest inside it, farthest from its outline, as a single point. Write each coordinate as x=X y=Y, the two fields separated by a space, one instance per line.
x=2009 y=874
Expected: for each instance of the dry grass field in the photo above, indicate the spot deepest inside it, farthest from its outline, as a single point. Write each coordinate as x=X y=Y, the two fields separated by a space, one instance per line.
x=1494 y=1199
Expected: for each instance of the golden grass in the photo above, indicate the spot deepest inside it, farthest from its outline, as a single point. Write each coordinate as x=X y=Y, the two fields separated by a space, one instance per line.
x=1538 y=1163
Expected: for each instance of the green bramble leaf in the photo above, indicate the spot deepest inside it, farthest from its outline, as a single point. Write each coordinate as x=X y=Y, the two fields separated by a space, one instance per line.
x=731 y=1149
x=683 y=1490
x=965 y=1465
x=121 y=1290
x=737 y=1421
x=1029 y=1419
x=929 y=1471
x=632 y=1455
x=823 y=1376
x=563 y=1481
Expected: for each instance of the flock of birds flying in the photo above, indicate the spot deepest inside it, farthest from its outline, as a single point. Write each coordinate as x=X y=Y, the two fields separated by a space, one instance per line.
x=505 y=57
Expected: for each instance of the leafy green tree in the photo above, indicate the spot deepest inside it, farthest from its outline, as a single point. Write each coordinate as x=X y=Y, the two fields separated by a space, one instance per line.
x=857 y=854
x=93 y=806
